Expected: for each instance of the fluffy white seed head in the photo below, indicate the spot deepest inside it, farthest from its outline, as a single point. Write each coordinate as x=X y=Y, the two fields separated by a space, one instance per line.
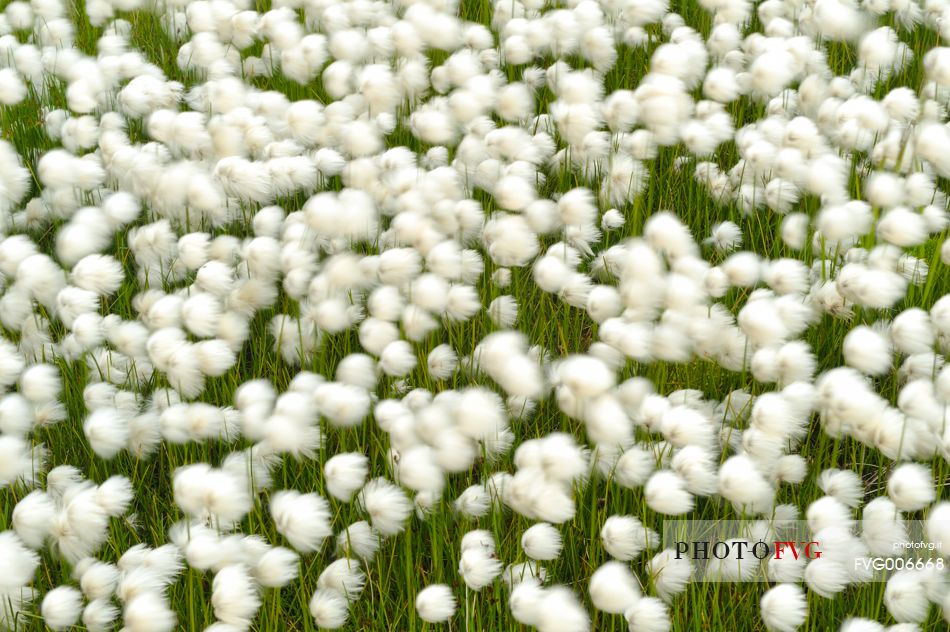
x=478 y=567
x=435 y=603
x=905 y=597
x=665 y=492
x=388 y=506
x=344 y=576
x=541 y=541
x=867 y=350
x=624 y=537
x=329 y=609
x=911 y=487
x=148 y=612
x=304 y=519
x=61 y=607
x=648 y=614
x=613 y=588
x=783 y=608
x=345 y=474
x=234 y=595
x=670 y=574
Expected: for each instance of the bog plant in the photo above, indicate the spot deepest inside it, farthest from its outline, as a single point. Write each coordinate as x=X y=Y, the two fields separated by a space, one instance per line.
x=324 y=314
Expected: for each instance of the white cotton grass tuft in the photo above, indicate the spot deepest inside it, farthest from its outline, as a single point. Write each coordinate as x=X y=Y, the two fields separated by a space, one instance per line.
x=784 y=608
x=33 y=518
x=22 y=562
x=397 y=359
x=148 y=612
x=910 y=486
x=905 y=596
x=613 y=588
x=648 y=614
x=386 y=504
x=526 y=600
x=560 y=611
x=666 y=492
x=541 y=541
x=61 y=607
x=20 y=461
x=98 y=580
x=478 y=567
x=868 y=350
x=234 y=595
x=276 y=568
x=860 y=624
x=442 y=362
x=844 y=485
x=99 y=615
x=40 y=383
x=912 y=331
x=670 y=574
x=624 y=537
x=741 y=483
x=786 y=569
x=826 y=577
x=479 y=539
x=329 y=609
x=436 y=603
x=344 y=576
x=304 y=519
x=345 y=474
x=612 y=219
x=358 y=540
x=882 y=526
x=633 y=467
x=475 y=501
x=107 y=431
x=725 y=236
x=503 y=311
x=827 y=511
x=217 y=493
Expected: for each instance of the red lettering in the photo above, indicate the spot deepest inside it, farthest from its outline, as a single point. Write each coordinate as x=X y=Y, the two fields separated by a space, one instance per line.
x=780 y=548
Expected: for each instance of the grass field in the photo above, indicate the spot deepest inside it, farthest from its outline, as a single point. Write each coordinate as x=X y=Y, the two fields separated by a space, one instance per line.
x=427 y=551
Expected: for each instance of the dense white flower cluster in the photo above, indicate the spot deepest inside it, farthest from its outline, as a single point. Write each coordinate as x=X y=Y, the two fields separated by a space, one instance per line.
x=179 y=224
